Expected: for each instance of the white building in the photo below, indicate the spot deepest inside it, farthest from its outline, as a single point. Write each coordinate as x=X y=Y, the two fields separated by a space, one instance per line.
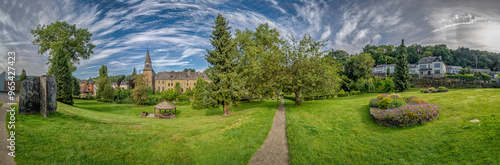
x=382 y=69
x=432 y=67
x=453 y=69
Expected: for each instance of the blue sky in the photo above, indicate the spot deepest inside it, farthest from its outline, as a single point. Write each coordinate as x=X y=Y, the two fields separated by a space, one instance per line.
x=176 y=32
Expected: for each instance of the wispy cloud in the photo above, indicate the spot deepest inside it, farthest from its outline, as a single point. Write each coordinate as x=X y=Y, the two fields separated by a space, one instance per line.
x=456 y=20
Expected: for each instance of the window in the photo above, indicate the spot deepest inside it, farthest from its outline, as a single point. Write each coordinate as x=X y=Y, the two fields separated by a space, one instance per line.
x=437 y=65
x=187 y=80
x=162 y=88
x=194 y=84
x=171 y=80
x=158 y=81
x=162 y=82
x=437 y=72
x=187 y=84
x=422 y=66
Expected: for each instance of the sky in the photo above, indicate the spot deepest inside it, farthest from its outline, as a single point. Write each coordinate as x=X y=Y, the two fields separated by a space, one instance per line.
x=177 y=32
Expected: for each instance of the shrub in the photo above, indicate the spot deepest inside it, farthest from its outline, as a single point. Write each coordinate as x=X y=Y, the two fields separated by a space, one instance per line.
x=426 y=91
x=355 y=92
x=183 y=98
x=380 y=96
x=415 y=100
x=409 y=115
x=395 y=103
x=374 y=103
x=431 y=89
x=342 y=93
x=442 y=89
x=384 y=102
x=389 y=85
x=395 y=95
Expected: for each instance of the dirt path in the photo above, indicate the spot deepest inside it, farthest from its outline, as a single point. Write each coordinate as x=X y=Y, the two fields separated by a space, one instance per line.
x=4 y=158
x=275 y=148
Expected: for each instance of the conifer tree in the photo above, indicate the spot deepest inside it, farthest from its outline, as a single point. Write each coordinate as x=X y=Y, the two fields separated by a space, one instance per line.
x=199 y=94
x=22 y=78
x=223 y=63
x=401 y=75
x=139 y=94
x=63 y=77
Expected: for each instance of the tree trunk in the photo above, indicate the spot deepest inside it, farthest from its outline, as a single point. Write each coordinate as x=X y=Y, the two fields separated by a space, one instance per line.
x=297 y=98
x=250 y=98
x=226 y=110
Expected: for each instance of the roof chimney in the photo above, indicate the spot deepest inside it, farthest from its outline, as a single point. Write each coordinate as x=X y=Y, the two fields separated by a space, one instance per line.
x=440 y=58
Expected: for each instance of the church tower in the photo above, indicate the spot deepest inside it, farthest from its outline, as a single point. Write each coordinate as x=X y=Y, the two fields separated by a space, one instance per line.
x=148 y=72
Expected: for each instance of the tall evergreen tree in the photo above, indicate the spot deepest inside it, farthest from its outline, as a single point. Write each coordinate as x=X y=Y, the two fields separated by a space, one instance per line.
x=178 y=88
x=22 y=78
x=102 y=81
x=401 y=75
x=223 y=62
x=199 y=94
x=76 y=87
x=134 y=73
x=139 y=94
x=63 y=77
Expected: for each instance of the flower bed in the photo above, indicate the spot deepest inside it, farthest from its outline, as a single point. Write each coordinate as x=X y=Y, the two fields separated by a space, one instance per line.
x=434 y=90
x=393 y=111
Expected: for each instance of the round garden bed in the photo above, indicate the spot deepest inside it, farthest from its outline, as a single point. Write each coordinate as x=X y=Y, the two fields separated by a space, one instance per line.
x=393 y=111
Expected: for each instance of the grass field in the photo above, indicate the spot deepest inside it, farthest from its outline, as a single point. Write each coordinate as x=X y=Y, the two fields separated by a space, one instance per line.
x=93 y=132
x=340 y=131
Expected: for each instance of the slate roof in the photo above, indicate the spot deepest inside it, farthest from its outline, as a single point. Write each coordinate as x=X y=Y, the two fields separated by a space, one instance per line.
x=453 y=67
x=384 y=65
x=426 y=60
x=180 y=76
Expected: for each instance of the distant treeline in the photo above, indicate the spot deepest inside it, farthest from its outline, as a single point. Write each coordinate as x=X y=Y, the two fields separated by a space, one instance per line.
x=462 y=56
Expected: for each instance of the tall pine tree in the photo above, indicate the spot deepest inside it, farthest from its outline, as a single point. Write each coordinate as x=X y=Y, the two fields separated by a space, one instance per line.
x=223 y=62
x=199 y=94
x=63 y=77
x=401 y=75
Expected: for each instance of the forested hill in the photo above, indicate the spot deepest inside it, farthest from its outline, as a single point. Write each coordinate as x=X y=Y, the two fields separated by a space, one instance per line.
x=462 y=56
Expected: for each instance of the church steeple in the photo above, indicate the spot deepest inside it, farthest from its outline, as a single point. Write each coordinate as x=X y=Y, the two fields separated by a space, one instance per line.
x=147 y=63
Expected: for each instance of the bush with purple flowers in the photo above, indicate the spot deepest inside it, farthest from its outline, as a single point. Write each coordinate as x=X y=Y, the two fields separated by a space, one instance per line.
x=394 y=111
x=409 y=115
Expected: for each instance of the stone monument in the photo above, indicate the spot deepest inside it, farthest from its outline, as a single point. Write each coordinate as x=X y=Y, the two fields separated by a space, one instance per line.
x=38 y=95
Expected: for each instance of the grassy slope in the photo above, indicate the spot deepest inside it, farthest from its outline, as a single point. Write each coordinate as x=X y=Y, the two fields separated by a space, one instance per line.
x=99 y=133
x=340 y=131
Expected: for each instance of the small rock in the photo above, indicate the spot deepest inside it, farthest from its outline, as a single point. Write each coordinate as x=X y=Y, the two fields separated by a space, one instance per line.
x=474 y=120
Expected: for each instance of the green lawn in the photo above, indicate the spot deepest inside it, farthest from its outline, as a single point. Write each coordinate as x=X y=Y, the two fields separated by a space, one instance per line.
x=93 y=132
x=340 y=131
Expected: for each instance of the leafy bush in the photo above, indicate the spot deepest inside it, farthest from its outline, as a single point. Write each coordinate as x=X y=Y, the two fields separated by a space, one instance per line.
x=442 y=89
x=380 y=96
x=169 y=94
x=431 y=89
x=395 y=103
x=466 y=76
x=183 y=98
x=384 y=102
x=374 y=103
x=389 y=85
x=426 y=90
x=395 y=95
x=415 y=100
x=355 y=92
x=409 y=115
x=342 y=93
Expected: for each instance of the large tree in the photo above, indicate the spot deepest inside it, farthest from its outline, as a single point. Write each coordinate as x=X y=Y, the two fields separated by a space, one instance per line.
x=74 y=42
x=401 y=71
x=223 y=63
x=199 y=94
x=63 y=77
x=76 y=87
x=104 y=90
x=261 y=59
x=307 y=72
x=139 y=94
x=178 y=88
x=359 y=67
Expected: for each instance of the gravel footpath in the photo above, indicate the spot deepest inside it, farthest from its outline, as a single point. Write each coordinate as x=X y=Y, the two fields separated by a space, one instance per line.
x=4 y=158
x=275 y=148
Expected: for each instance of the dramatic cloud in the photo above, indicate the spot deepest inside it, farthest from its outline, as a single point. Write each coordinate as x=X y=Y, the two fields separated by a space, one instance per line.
x=177 y=33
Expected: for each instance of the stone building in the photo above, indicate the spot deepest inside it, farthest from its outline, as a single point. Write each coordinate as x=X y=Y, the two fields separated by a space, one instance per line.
x=166 y=80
